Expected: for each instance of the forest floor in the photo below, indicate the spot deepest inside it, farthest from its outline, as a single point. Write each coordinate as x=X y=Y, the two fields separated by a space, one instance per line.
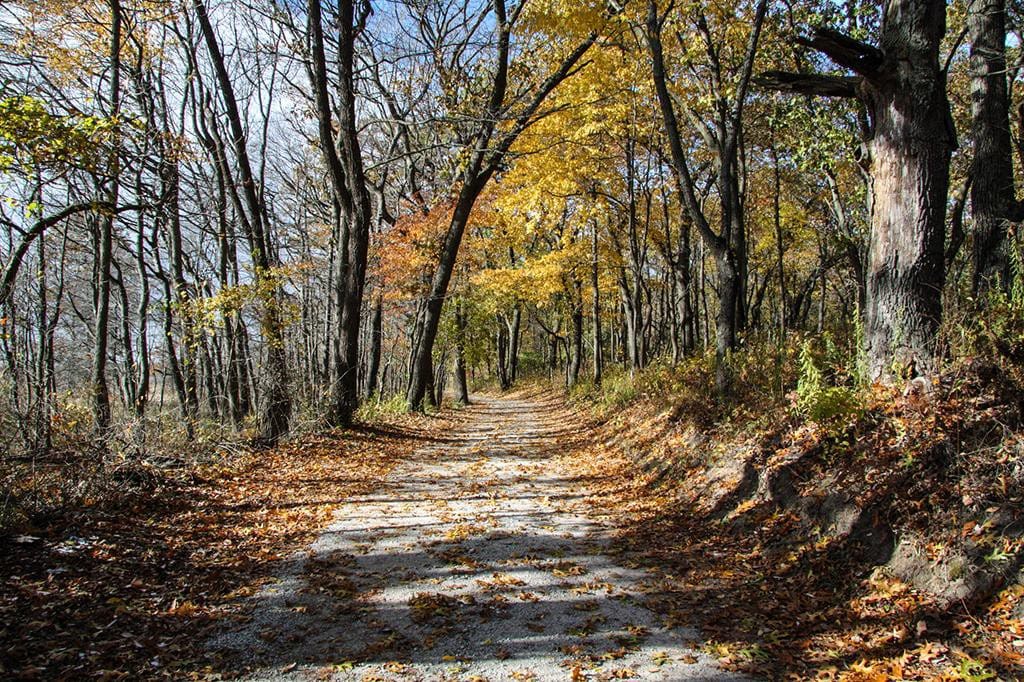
x=476 y=560
x=126 y=575
x=521 y=539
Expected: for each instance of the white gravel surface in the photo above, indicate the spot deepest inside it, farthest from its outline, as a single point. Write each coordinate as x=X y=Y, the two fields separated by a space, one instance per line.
x=474 y=563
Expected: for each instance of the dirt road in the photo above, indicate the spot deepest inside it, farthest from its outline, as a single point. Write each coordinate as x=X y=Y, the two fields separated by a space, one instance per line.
x=476 y=562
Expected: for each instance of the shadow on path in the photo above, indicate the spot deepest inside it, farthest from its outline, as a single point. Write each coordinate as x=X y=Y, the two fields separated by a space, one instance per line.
x=468 y=565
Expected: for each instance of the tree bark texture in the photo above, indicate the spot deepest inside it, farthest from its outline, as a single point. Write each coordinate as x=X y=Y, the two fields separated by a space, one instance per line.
x=910 y=153
x=992 y=191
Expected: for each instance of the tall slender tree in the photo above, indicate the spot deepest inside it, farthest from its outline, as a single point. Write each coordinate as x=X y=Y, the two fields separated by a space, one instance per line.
x=343 y=156
x=275 y=412
x=727 y=244
x=993 y=203
x=485 y=153
x=105 y=239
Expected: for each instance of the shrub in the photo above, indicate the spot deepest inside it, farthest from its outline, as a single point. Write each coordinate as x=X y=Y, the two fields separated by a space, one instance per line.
x=815 y=398
x=992 y=328
x=374 y=410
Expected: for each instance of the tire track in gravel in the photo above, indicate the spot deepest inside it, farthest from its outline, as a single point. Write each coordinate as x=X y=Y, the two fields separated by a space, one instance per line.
x=471 y=564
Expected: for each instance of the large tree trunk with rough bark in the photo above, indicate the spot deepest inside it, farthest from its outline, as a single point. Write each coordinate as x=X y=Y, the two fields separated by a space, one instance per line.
x=992 y=191
x=910 y=153
x=912 y=136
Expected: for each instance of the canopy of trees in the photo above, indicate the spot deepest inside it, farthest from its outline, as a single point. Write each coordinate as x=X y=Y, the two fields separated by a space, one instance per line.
x=258 y=213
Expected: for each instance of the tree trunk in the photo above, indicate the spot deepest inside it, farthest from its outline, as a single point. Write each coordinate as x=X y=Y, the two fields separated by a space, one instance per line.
x=725 y=323
x=344 y=161
x=43 y=430
x=728 y=245
x=904 y=89
x=780 y=249
x=992 y=192
x=376 y=340
x=629 y=317
x=421 y=371
x=142 y=315
x=275 y=397
x=501 y=347
x=104 y=255
x=513 y=345
x=910 y=154
x=596 y=305
x=576 y=320
x=484 y=155
x=170 y=194
x=461 y=385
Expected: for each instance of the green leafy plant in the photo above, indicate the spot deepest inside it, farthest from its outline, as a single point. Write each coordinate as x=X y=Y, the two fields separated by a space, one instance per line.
x=971 y=670
x=1017 y=275
x=993 y=327
x=816 y=399
x=31 y=136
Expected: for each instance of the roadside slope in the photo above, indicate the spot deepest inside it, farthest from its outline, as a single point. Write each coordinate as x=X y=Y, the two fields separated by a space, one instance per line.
x=884 y=541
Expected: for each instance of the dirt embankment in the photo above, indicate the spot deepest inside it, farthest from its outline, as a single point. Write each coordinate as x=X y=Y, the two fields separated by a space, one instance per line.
x=883 y=545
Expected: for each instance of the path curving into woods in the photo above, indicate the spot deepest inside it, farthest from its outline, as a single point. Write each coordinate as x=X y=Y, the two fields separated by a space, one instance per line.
x=475 y=562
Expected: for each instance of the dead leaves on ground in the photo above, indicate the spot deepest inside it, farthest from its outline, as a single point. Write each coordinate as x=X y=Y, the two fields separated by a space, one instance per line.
x=425 y=607
x=778 y=598
x=499 y=581
x=133 y=586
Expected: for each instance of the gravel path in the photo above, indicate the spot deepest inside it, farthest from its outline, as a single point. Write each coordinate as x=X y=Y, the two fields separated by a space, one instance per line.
x=470 y=565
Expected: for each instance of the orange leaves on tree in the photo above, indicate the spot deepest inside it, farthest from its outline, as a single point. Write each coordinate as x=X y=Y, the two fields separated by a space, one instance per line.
x=407 y=254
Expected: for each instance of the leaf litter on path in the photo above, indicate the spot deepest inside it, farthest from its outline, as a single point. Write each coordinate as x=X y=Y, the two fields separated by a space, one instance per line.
x=514 y=584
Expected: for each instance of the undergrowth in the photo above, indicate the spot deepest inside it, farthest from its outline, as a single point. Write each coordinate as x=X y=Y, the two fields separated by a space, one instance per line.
x=80 y=470
x=377 y=409
x=825 y=390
